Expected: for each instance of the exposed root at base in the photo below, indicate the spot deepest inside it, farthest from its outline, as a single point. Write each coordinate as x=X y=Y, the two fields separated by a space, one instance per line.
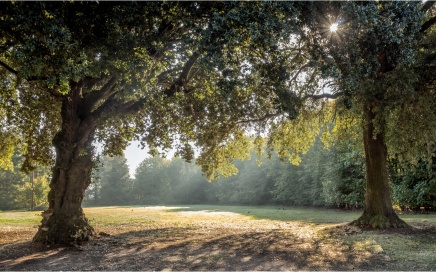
x=64 y=231
x=367 y=221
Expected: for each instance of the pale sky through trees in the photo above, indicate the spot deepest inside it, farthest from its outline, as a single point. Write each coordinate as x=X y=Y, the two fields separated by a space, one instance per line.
x=135 y=155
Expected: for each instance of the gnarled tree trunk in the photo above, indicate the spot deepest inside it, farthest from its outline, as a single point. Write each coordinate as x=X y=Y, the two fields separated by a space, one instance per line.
x=378 y=212
x=64 y=222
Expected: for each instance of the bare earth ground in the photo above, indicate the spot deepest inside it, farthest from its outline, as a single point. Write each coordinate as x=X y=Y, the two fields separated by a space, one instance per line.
x=207 y=240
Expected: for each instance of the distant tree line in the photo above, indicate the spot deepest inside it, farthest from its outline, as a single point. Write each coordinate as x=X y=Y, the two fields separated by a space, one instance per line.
x=332 y=176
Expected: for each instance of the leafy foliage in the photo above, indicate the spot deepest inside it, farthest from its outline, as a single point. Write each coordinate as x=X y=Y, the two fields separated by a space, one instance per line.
x=158 y=65
x=16 y=188
x=414 y=186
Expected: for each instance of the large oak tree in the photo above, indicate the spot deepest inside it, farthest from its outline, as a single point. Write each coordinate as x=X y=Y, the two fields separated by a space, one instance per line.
x=74 y=73
x=380 y=61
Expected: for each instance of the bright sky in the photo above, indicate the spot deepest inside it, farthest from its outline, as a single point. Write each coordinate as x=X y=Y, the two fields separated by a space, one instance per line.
x=135 y=155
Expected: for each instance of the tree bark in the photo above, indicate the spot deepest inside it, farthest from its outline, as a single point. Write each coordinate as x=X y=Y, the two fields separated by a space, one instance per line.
x=64 y=221
x=378 y=211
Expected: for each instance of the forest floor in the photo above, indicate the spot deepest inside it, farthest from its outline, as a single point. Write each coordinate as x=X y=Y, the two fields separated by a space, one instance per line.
x=222 y=238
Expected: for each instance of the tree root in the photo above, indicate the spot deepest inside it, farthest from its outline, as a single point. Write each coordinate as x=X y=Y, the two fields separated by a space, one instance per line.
x=66 y=231
x=368 y=221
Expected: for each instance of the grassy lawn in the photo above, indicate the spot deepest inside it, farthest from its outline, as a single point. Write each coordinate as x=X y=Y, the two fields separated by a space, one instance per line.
x=19 y=218
x=135 y=214
x=307 y=215
x=261 y=238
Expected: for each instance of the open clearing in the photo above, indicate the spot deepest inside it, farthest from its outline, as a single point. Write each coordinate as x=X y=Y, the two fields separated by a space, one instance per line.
x=222 y=238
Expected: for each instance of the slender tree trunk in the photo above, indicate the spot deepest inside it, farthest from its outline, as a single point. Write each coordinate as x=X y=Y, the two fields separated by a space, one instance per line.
x=64 y=222
x=378 y=212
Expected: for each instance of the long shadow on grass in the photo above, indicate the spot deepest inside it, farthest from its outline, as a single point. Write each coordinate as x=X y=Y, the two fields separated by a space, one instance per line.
x=191 y=249
x=31 y=256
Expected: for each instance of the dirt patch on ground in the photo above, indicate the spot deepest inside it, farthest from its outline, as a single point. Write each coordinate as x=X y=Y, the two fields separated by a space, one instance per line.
x=225 y=244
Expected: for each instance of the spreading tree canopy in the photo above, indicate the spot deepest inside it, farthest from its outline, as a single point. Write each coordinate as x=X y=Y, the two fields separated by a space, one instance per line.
x=75 y=73
x=202 y=74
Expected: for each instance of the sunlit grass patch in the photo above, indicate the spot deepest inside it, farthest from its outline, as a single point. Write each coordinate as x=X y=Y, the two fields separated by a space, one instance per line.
x=111 y=216
x=308 y=215
x=20 y=218
x=418 y=218
x=367 y=245
x=415 y=251
x=149 y=214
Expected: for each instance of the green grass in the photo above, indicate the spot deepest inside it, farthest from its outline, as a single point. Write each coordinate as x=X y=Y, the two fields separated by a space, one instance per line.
x=415 y=218
x=407 y=251
x=116 y=216
x=19 y=218
x=308 y=215
x=136 y=214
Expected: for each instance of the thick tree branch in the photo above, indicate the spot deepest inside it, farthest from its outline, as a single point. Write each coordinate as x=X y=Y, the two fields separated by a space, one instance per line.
x=7 y=67
x=131 y=107
x=119 y=110
x=181 y=82
x=299 y=71
x=162 y=76
x=15 y=72
x=262 y=119
x=30 y=79
x=112 y=108
x=105 y=108
x=324 y=95
x=90 y=82
x=427 y=5
x=428 y=24
x=93 y=97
